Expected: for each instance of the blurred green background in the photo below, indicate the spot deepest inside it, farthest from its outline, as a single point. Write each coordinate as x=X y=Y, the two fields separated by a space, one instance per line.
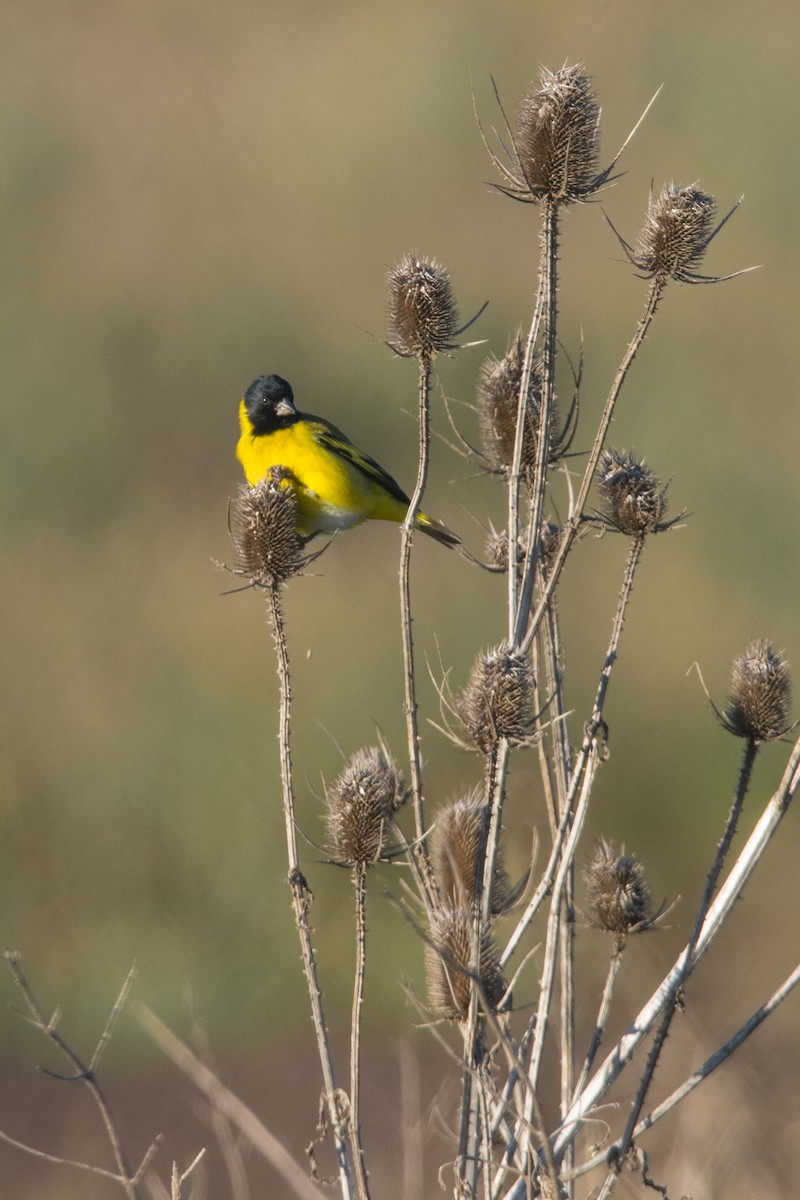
x=195 y=194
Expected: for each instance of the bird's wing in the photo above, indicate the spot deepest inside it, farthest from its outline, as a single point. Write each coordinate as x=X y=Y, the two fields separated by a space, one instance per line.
x=333 y=440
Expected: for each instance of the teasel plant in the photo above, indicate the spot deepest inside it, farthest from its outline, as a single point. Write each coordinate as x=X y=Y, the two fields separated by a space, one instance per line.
x=550 y=160
x=262 y=521
x=475 y=927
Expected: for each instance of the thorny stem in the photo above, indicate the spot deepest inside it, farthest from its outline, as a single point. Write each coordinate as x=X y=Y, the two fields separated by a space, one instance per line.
x=516 y=476
x=360 y=889
x=602 y=1017
x=573 y=523
x=549 y=632
x=490 y=840
x=409 y=679
x=620 y=1055
x=468 y=1156
x=83 y=1072
x=670 y=1004
x=567 y=998
x=301 y=899
x=593 y=727
x=590 y=752
x=703 y=1072
x=549 y=287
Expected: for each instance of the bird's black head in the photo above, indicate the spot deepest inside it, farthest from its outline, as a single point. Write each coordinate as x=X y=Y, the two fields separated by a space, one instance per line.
x=269 y=402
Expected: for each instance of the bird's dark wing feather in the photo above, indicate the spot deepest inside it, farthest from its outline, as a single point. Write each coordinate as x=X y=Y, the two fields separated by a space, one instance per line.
x=334 y=440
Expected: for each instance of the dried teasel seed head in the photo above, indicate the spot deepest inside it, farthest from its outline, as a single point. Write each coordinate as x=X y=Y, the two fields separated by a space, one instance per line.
x=497 y=549
x=263 y=525
x=448 y=960
x=551 y=539
x=557 y=137
x=498 y=699
x=635 y=502
x=361 y=802
x=617 y=891
x=759 y=701
x=497 y=401
x=455 y=844
x=423 y=320
x=677 y=228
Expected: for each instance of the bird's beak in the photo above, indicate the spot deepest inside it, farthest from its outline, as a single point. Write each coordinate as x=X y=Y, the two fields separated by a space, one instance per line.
x=285 y=408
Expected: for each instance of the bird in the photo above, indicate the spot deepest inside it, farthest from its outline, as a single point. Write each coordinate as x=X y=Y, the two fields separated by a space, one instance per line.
x=336 y=484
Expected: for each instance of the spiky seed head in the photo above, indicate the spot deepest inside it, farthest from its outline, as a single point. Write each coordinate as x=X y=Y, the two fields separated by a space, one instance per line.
x=448 y=960
x=497 y=401
x=760 y=697
x=498 y=699
x=676 y=230
x=423 y=320
x=635 y=502
x=557 y=137
x=456 y=840
x=551 y=539
x=263 y=525
x=617 y=891
x=361 y=802
x=497 y=549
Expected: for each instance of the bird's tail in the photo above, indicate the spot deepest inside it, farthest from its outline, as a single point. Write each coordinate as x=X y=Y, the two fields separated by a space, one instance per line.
x=436 y=530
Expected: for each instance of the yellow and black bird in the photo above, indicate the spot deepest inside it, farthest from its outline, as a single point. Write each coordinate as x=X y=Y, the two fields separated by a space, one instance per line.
x=337 y=485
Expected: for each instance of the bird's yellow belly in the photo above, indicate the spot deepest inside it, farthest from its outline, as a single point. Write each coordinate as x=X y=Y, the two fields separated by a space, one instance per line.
x=331 y=493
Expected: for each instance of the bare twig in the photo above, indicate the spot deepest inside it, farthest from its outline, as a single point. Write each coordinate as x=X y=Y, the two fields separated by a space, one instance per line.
x=84 y=1073
x=243 y=1118
x=702 y=1073
x=719 y=910
x=301 y=898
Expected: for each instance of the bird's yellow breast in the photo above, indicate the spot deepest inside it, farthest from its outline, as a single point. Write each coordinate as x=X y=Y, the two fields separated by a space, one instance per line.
x=332 y=492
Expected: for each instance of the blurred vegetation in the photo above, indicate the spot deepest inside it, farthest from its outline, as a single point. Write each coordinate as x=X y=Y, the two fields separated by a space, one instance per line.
x=195 y=194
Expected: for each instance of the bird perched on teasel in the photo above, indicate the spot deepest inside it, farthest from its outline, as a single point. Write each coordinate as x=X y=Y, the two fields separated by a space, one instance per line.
x=337 y=485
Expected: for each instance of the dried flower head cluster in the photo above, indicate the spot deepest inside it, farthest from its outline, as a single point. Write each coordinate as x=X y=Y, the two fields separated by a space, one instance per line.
x=497 y=400
x=423 y=320
x=498 y=699
x=678 y=227
x=760 y=696
x=361 y=801
x=449 y=969
x=635 y=502
x=556 y=140
x=455 y=846
x=618 y=892
x=263 y=525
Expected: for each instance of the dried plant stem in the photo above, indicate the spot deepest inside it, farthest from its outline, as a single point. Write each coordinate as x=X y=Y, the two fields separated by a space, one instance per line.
x=360 y=889
x=709 y=1066
x=549 y=633
x=87 y=1074
x=63 y=1162
x=589 y=746
x=602 y=1017
x=556 y=708
x=486 y=865
x=549 y=287
x=516 y=476
x=621 y=1054
x=566 y=959
x=572 y=525
x=670 y=1003
x=224 y=1101
x=587 y=765
x=301 y=898
x=409 y=678
x=468 y=1158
